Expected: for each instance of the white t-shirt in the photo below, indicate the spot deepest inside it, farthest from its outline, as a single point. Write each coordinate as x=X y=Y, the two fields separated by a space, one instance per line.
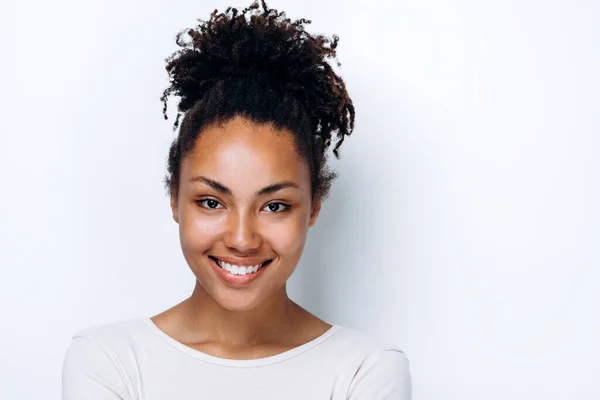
x=135 y=360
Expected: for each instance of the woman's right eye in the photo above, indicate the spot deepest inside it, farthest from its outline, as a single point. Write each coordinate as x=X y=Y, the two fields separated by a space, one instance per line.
x=210 y=203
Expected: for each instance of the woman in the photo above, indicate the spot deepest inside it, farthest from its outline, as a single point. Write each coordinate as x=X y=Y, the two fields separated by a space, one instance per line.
x=247 y=175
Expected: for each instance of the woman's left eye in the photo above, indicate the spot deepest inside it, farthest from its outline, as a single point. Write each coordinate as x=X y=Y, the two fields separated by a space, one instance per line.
x=276 y=207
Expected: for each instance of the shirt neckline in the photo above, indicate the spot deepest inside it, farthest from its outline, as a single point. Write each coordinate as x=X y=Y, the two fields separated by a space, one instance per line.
x=256 y=362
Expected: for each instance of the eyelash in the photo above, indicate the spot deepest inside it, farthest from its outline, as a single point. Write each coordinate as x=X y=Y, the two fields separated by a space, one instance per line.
x=286 y=206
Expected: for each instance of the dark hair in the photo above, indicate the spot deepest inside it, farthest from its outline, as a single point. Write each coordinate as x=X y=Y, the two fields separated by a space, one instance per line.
x=266 y=69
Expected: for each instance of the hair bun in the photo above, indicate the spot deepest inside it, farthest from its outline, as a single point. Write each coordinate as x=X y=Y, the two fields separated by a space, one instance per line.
x=269 y=48
x=263 y=45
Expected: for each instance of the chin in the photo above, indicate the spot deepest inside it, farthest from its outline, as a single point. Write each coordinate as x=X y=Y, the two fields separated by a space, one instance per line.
x=238 y=303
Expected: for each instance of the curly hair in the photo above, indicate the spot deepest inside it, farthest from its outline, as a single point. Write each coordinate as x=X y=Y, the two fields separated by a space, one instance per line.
x=267 y=69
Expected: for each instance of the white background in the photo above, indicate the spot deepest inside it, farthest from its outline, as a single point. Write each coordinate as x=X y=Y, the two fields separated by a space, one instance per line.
x=464 y=226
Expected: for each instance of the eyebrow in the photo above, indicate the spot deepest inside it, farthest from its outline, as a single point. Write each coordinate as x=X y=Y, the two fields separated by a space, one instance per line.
x=219 y=187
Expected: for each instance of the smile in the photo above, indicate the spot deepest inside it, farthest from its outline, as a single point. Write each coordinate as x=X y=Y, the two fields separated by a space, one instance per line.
x=239 y=269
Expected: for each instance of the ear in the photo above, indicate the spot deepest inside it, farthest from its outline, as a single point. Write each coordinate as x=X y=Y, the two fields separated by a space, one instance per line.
x=314 y=214
x=174 y=208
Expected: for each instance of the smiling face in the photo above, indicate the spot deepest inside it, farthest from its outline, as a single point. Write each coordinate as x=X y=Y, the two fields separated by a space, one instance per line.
x=244 y=197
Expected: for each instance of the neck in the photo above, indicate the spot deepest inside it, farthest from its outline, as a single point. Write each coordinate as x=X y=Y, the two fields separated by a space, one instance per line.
x=267 y=323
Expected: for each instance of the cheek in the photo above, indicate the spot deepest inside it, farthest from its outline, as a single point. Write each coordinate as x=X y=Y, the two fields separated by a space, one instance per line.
x=198 y=233
x=287 y=239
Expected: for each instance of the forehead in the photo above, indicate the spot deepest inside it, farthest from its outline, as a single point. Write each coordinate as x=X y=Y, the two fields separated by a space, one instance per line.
x=240 y=151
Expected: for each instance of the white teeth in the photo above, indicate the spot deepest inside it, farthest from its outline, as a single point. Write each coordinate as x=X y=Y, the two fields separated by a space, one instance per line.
x=238 y=270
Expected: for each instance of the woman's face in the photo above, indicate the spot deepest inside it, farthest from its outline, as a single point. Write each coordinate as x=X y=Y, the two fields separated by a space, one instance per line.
x=245 y=198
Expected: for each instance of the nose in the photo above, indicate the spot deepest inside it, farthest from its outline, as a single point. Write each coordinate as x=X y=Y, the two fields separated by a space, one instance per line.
x=241 y=233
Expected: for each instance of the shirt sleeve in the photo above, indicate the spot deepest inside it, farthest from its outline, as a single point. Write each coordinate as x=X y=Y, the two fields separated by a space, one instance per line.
x=384 y=375
x=91 y=372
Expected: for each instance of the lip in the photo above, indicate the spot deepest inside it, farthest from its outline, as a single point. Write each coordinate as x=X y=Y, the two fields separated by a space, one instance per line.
x=236 y=280
x=242 y=261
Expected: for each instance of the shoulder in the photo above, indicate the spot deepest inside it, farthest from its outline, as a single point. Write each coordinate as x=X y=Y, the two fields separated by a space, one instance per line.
x=362 y=343
x=380 y=369
x=118 y=330
x=96 y=361
x=115 y=338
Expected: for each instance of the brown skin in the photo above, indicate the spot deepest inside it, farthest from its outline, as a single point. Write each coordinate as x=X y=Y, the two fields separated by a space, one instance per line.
x=257 y=320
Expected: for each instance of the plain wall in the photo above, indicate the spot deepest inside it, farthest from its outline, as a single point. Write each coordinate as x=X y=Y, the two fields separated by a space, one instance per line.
x=464 y=225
